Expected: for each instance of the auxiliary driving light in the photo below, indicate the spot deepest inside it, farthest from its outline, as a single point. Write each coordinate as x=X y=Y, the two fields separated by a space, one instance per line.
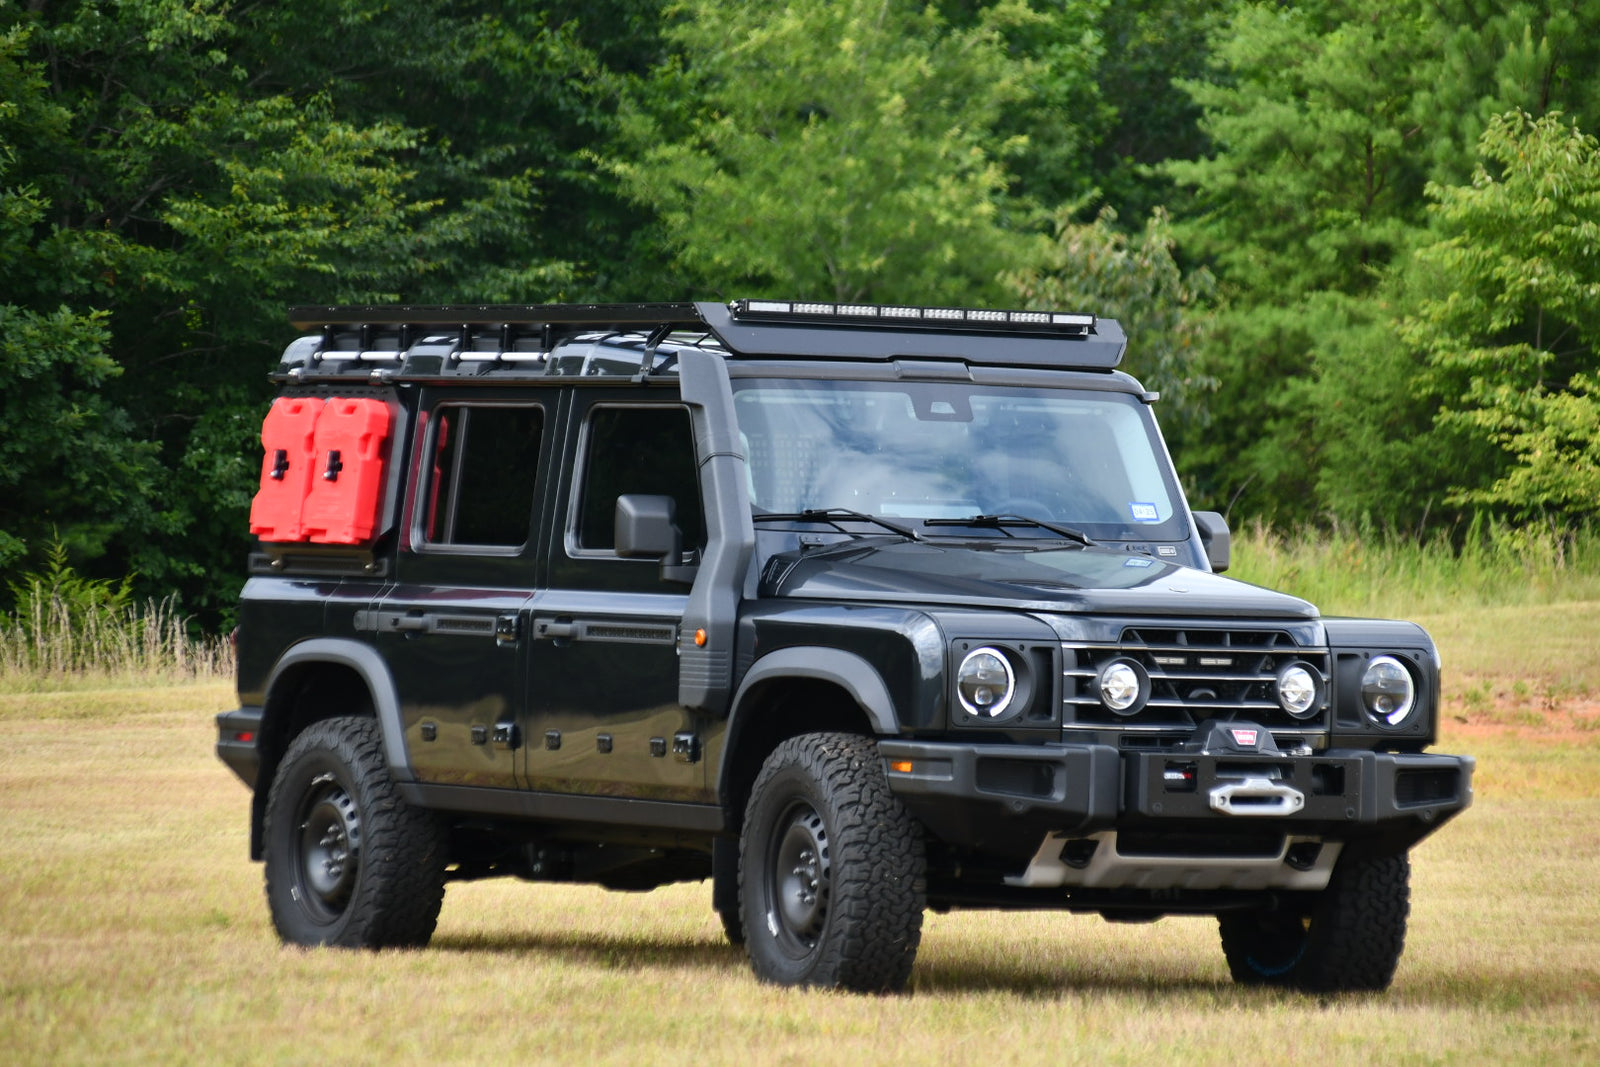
x=1124 y=686
x=1299 y=690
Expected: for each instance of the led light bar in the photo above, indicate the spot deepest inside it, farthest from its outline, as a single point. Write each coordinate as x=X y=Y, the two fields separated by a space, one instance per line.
x=901 y=315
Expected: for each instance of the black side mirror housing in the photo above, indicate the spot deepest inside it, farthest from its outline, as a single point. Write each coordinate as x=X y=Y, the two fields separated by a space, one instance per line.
x=1216 y=538
x=646 y=528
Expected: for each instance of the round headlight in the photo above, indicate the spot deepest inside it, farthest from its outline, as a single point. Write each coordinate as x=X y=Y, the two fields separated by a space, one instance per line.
x=1299 y=691
x=1122 y=686
x=985 y=683
x=1388 y=691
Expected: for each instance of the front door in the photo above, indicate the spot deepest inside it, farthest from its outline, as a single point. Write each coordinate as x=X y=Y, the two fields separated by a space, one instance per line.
x=604 y=679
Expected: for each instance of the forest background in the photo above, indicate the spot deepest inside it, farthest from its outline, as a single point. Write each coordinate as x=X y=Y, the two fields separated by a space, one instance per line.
x=1356 y=244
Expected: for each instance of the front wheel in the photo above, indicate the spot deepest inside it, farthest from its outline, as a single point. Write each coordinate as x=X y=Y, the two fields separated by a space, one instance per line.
x=831 y=869
x=348 y=862
x=1347 y=938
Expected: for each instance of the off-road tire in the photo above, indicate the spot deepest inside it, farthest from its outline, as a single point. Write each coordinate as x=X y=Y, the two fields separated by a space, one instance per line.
x=832 y=869
x=1347 y=939
x=348 y=862
x=725 y=887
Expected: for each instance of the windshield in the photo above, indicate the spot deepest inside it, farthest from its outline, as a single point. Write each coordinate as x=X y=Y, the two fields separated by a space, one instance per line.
x=936 y=450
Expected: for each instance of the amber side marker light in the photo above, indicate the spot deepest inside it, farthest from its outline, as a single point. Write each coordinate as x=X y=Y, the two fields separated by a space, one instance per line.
x=700 y=638
x=900 y=766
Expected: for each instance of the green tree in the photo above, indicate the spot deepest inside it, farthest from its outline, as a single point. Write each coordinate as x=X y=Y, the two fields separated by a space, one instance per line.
x=1148 y=48
x=175 y=174
x=1096 y=267
x=1513 y=338
x=1328 y=119
x=833 y=150
x=62 y=442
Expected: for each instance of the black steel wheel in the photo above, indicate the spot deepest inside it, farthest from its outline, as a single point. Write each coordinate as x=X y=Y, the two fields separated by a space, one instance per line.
x=1347 y=938
x=347 y=861
x=832 y=869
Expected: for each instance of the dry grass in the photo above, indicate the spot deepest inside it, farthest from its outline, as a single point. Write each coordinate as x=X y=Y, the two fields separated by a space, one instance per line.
x=133 y=929
x=50 y=644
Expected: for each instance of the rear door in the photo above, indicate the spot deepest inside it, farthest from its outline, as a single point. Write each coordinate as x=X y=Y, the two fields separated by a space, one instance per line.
x=453 y=628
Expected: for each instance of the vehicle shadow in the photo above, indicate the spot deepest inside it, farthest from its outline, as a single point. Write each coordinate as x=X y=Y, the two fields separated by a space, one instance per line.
x=600 y=950
x=1037 y=980
x=712 y=953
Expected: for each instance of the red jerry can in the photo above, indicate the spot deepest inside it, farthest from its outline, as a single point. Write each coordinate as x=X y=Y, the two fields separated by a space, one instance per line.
x=289 y=436
x=348 y=484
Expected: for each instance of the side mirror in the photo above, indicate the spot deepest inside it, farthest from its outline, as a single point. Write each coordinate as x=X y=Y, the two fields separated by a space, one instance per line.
x=1215 y=537
x=645 y=528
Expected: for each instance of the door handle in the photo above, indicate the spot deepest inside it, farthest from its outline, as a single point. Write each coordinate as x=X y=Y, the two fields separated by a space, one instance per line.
x=555 y=628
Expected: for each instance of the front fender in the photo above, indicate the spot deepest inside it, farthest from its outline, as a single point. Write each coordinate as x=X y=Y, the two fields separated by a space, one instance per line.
x=847 y=670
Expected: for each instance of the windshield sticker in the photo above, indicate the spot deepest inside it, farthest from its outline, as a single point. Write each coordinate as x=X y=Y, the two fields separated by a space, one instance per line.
x=1138 y=561
x=1144 y=512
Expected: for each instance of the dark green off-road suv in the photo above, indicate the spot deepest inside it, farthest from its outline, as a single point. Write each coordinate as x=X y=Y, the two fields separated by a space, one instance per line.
x=854 y=610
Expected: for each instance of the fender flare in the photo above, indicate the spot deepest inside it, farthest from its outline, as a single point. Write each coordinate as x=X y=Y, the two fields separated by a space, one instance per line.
x=370 y=667
x=847 y=670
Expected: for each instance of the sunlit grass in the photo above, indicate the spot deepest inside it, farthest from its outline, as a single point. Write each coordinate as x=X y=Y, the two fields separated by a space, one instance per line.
x=133 y=929
x=1364 y=572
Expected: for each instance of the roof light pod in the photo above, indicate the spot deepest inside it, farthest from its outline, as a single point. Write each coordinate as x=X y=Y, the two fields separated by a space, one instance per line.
x=902 y=315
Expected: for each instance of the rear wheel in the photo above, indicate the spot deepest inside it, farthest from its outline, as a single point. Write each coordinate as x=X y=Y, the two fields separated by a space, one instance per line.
x=831 y=869
x=347 y=861
x=1347 y=938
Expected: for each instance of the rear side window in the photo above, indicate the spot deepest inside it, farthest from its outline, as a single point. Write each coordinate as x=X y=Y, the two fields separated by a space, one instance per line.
x=485 y=463
x=638 y=450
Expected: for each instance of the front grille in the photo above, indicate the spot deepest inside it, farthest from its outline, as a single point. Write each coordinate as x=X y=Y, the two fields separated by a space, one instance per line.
x=1196 y=674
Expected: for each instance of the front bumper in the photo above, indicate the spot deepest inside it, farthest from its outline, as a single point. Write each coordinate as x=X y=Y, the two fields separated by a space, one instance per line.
x=1004 y=800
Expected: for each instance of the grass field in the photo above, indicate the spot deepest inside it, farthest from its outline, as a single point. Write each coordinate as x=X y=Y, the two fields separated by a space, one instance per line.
x=133 y=929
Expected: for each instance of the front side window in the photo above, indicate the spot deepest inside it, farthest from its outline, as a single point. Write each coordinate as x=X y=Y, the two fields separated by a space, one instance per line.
x=485 y=463
x=638 y=450
x=953 y=450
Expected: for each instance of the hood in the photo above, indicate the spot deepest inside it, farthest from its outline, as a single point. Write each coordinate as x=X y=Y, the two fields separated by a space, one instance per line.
x=1033 y=576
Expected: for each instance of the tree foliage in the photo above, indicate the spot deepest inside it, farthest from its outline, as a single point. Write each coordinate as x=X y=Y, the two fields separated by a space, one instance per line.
x=1135 y=279
x=844 y=150
x=175 y=174
x=1513 y=336
x=1350 y=240
x=1328 y=121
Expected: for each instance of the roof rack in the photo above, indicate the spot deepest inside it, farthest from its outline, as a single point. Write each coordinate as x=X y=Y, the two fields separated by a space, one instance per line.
x=438 y=316
x=530 y=334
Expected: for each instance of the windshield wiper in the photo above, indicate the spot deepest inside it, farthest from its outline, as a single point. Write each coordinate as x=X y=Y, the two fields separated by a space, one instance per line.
x=835 y=517
x=1000 y=522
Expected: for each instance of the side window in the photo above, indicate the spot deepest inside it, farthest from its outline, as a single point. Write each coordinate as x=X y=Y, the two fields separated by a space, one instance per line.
x=485 y=461
x=638 y=450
